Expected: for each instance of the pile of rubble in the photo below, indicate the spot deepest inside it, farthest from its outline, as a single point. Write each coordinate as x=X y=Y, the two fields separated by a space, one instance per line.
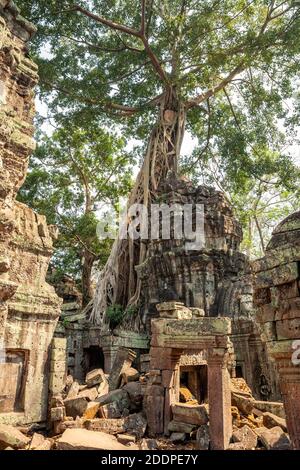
x=106 y=413
x=256 y=424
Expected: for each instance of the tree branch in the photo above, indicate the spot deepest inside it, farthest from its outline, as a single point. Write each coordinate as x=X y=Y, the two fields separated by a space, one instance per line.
x=106 y=22
x=214 y=90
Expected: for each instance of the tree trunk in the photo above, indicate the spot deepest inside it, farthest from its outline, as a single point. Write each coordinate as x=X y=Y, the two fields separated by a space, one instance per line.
x=86 y=277
x=118 y=283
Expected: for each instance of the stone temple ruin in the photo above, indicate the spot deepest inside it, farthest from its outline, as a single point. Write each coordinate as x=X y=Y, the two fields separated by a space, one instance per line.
x=210 y=357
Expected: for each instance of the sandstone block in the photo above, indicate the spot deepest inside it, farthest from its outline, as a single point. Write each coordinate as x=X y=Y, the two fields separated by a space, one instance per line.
x=74 y=390
x=11 y=437
x=177 y=437
x=91 y=410
x=203 y=437
x=110 y=426
x=190 y=414
x=246 y=437
x=36 y=441
x=177 y=426
x=130 y=375
x=275 y=439
x=136 y=424
x=58 y=413
x=126 y=438
x=75 y=406
x=95 y=377
x=82 y=439
x=270 y=421
x=149 y=444
x=90 y=394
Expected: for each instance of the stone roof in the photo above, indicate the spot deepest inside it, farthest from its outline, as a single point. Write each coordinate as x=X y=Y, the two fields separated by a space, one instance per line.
x=286 y=233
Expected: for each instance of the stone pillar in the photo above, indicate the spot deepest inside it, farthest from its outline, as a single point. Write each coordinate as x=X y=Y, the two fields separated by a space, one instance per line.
x=219 y=398
x=58 y=366
x=109 y=353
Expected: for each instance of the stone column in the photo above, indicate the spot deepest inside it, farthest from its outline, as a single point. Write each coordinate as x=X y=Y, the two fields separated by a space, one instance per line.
x=289 y=375
x=219 y=398
x=123 y=361
x=109 y=353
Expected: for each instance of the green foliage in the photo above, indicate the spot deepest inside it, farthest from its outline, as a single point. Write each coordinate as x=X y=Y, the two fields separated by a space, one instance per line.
x=115 y=314
x=72 y=175
x=89 y=71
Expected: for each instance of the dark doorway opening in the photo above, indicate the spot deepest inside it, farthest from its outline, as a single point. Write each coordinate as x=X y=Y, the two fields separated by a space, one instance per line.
x=93 y=358
x=193 y=383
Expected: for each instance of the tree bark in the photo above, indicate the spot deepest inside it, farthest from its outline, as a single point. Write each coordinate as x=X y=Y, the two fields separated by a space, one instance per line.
x=86 y=277
x=118 y=283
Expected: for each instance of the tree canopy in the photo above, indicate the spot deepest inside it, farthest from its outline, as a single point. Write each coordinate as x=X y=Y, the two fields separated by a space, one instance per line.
x=228 y=69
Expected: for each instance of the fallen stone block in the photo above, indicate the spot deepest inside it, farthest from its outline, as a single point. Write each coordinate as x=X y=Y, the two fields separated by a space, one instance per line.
x=90 y=394
x=58 y=413
x=119 y=397
x=130 y=375
x=135 y=392
x=149 y=444
x=82 y=439
x=110 y=411
x=74 y=390
x=190 y=414
x=236 y=446
x=270 y=421
x=275 y=439
x=122 y=362
x=103 y=389
x=36 y=441
x=177 y=437
x=177 y=426
x=75 y=406
x=244 y=404
x=136 y=424
x=203 y=437
x=246 y=437
x=57 y=401
x=95 y=377
x=11 y=437
x=110 y=426
x=274 y=407
x=126 y=439
x=47 y=445
x=91 y=410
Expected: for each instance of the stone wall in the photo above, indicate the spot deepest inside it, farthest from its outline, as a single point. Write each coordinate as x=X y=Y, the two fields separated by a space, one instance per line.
x=277 y=300
x=29 y=307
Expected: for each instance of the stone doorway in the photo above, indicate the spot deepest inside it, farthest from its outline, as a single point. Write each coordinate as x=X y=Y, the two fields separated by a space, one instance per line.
x=13 y=372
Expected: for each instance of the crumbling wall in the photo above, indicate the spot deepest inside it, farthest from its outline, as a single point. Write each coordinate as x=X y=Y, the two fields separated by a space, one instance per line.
x=29 y=307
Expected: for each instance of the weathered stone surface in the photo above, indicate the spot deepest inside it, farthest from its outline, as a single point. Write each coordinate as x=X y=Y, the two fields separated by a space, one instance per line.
x=46 y=445
x=126 y=438
x=272 y=407
x=58 y=413
x=177 y=426
x=91 y=410
x=130 y=375
x=149 y=444
x=75 y=406
x=270 y=421
x=119 y=397
x=136 y=424
x=73 y=390
x=177 y=437
x=244 y=404
x=190 y=414
x=82 y=439
x=36 y=441
x=110 y=411
x=90 y=394
x=110 y=426
x=135 y=392
x=10 y=436
x=95 y=377
x=122 y=362
x=246 y=437
x=275 y=439
x=203 y=437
